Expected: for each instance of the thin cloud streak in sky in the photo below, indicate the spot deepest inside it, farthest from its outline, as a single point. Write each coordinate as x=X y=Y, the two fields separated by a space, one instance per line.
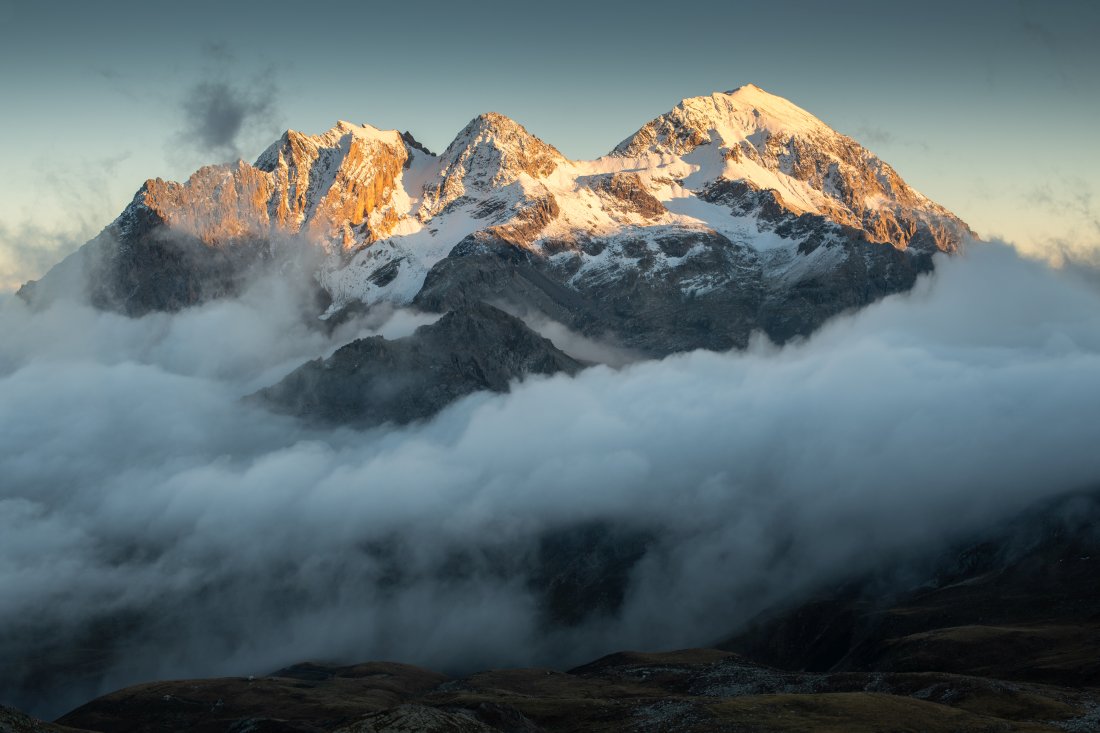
x=81 y=189
x=224 y=540
x=28 y=251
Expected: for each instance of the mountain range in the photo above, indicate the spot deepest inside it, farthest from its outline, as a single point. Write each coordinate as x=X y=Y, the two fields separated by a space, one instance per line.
x=733 y=213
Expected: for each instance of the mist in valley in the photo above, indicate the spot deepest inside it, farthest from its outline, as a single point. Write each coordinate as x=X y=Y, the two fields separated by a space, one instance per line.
x=153 y=525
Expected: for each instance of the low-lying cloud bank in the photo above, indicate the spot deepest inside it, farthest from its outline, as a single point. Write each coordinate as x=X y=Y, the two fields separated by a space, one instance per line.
x=152 y=526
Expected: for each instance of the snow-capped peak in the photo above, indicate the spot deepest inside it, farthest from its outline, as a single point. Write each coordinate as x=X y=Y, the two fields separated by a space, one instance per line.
x=772 y=110
x=363 y=132
x=762 y=142
x=740 y=114
x=292 y=144
x=492 y=151
x=498 y=145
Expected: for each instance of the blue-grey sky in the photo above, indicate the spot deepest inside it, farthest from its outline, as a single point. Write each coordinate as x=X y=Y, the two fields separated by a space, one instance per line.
x=990 y=108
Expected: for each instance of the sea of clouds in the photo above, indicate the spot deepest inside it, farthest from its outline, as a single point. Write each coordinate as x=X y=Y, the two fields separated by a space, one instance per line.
x=152 y=526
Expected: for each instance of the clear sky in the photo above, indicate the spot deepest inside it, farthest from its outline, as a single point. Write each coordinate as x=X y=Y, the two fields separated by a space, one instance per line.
x=990 y=108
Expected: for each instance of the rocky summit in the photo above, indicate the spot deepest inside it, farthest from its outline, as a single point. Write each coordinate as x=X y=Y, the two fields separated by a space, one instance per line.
x=733 y=213
x=373 y=381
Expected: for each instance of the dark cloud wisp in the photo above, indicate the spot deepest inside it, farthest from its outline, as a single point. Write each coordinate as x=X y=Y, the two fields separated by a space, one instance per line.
x=228 y=109
x=216 y=114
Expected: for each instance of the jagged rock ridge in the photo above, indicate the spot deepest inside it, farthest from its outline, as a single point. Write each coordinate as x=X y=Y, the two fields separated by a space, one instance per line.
x=374 y=381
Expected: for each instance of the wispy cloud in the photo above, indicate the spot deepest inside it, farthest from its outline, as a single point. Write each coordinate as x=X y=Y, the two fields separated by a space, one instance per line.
x=80 y=190
x=875 y=136
x=1064 y=45
x=1070 y=202
x=228 y=106
x=139 y=495
x=28 y=250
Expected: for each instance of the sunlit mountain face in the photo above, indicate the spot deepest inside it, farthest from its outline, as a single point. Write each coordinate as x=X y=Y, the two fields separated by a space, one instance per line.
x=740 y=194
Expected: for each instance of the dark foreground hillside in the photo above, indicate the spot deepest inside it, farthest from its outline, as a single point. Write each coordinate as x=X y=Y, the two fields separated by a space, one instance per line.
x=1001 y=634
